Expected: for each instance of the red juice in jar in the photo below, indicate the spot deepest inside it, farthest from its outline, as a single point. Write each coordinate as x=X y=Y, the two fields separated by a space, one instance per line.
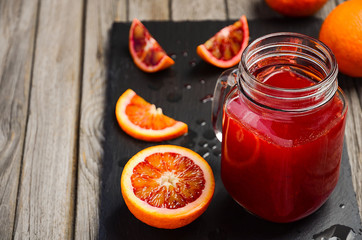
x=282 y=127
x=281 y=169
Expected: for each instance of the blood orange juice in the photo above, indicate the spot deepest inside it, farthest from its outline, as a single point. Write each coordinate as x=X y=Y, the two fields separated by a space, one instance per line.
x=281 y=167
x=282 y=126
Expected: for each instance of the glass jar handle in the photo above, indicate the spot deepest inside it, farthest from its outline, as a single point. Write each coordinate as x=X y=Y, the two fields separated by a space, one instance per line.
x=226 y=80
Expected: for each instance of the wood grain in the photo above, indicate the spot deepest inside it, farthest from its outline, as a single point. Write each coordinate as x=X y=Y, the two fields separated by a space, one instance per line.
x=17 y=26
x=353 y=136
x=46 y=195
x=256 y=9
x=198 y=10
x=40 y=142
x=99 y=18
x=148 y=10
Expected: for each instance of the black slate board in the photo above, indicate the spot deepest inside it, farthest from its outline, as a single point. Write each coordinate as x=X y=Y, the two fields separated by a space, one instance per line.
x=183 y=92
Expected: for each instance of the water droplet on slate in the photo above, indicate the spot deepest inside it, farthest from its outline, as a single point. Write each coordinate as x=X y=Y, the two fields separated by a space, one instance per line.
x=217 y=152
x=203 y=143
x=189 y=139
x=213 y=146
x=172 y=55
x=202 y=81
x=192 y=63
x=207 y=98
x=342 y=205
x=204 y=152
x=174 y=96
x=155 y=85
x=187 y=86
x=185 y=53
x=201 y=122
x=209 y=134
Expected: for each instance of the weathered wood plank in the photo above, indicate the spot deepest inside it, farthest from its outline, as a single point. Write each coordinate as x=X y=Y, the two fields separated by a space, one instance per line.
x=99 y=18
x=353 y=137
x=198 y=10
x=256 y=9
x=17 y=27
x=46 y=195
x=327 y=8
x=149 y=10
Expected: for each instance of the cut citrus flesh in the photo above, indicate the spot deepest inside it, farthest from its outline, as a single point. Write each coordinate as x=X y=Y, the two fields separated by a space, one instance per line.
x=144 y=121
x=224 y=49
x=167 y=186
x=292 y=8
x=146 y=53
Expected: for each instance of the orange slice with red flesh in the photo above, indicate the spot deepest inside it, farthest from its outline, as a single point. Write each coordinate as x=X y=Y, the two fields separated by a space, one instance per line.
x=144 y=121
x=146 y=53
x=167 y=186
x=224 y=49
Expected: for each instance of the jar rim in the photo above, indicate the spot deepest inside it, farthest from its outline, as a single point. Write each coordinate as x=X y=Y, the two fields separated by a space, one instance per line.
x=329 y=78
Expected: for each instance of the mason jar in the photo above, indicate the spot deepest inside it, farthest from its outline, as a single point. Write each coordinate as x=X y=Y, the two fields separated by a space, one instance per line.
x=280 y=117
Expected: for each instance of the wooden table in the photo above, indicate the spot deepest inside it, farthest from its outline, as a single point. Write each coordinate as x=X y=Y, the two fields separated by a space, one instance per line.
x=52 y=91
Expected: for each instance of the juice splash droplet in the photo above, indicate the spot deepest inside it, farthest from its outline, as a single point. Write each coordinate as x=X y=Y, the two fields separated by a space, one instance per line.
x=336 y=232
x=207 y=98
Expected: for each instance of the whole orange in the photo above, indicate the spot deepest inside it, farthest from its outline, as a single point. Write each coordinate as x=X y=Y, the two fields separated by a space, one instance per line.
x=341 y=31
x=296 y=8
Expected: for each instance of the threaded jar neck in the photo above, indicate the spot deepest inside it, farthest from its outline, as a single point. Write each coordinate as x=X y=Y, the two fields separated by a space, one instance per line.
x=297 y=53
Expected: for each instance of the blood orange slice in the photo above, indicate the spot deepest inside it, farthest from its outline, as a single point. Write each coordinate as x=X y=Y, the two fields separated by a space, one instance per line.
x=147 y=54
x=167 y=186
x=144 y=121
x=224 y=49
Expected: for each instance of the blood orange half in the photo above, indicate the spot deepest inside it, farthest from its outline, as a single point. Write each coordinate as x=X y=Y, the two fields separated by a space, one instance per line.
x=144 y=121
x=224 y=49
x=147 y=54
x=167 y=186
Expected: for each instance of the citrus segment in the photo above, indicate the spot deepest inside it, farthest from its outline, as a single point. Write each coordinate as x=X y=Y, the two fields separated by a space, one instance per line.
x=167 y=186
x=341 y=31
x=292 y=8
x=144 y=121
x=224 y=49
x=146 y=53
